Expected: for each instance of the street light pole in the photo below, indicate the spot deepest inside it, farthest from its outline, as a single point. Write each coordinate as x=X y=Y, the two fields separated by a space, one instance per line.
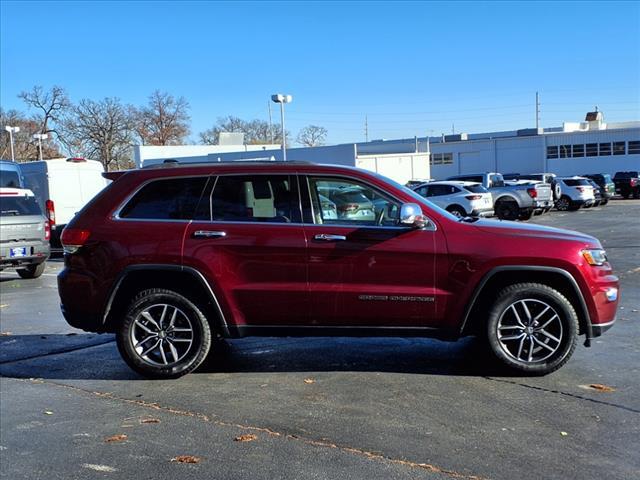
x=282 y=99
x=40 y=137
x=11 y=131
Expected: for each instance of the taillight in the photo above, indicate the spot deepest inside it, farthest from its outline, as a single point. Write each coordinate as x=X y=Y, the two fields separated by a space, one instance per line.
x=473 y=197
x=73 y=238
x=348 y=207
x=47 y=230
x=50 y=211
x=533 y=193
x=634 y=182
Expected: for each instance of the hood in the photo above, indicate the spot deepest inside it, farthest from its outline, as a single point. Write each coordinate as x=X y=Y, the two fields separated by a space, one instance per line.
x=517 y=229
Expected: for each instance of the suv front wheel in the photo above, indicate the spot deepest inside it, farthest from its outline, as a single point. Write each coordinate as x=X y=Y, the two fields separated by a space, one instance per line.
x=164 y=334
x=532 y=328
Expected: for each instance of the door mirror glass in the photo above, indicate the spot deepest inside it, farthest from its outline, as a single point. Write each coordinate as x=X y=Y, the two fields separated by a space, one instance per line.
x=411 y=215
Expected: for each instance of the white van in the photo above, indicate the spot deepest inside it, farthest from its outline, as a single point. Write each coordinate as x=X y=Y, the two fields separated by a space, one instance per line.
x=63 y=186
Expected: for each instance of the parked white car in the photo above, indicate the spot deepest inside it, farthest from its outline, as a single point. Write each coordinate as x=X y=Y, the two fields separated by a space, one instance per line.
x=575 y=192
x=463 y=199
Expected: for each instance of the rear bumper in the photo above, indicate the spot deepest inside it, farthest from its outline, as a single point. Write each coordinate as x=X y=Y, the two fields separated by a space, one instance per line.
x=482 y=212
x=80 y=301
x=37 y=252
x=599 y=329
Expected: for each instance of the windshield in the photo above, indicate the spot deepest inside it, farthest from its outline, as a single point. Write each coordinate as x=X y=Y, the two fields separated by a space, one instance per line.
x=13 y=206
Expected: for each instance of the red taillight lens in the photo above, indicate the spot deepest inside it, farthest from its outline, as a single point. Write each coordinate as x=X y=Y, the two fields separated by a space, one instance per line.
x=473 y=197
x=73 y=238
x=47 y=230
x=533 y=193
x=51 y=211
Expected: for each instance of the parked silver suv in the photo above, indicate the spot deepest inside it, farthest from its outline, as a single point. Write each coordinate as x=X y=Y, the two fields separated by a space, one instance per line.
x=24 y=233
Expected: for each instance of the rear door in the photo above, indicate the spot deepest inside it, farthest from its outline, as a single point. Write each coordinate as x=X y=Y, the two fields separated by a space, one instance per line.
x=369 y=273
x=247 y=240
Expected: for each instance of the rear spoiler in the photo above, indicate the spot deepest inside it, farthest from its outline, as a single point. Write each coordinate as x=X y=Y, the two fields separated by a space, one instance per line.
x=113 y=176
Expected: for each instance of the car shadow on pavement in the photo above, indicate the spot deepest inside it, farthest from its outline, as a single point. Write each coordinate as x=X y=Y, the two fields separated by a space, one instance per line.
x=95 y=357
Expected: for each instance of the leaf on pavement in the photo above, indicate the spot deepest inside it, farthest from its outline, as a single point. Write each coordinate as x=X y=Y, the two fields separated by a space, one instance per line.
x=602 y=388
x=116 y=438
x=2 y=305
x=247 y=437
x=309 y=381
x=564 y=434
x=186 y=459
x=149 y=420
x=48 y=412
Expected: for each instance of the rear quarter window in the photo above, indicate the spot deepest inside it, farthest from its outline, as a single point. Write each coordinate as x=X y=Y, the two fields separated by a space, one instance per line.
x=475 y=189
x=9 y=179
x=577 y=182
x=168 y=199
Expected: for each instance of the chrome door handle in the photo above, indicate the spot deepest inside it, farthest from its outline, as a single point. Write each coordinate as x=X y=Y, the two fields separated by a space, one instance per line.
x=327 y=237
x=208 y=234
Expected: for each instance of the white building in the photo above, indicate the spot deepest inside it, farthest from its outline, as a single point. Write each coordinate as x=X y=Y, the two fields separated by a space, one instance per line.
x=592 y=146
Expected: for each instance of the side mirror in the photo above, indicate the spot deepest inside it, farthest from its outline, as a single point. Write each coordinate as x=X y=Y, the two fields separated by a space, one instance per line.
x=411 y=216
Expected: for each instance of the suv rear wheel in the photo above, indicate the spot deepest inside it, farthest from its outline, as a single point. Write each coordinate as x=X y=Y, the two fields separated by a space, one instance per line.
x=532 y=328
x=164 y=334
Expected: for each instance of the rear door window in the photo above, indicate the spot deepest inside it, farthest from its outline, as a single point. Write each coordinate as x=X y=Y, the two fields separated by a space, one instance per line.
x=9 y=179
x=255 y=198
x=11 y=206
x=167 y=199
x=577 y=182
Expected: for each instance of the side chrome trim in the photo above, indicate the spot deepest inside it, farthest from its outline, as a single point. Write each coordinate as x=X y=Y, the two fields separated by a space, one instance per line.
x=535 y=268
x=176 y=268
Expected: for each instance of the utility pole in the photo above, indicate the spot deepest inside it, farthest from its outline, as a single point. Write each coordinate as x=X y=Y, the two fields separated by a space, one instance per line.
x=366 y=129
x=270 y=123
x=537 y=111
x=453 y=128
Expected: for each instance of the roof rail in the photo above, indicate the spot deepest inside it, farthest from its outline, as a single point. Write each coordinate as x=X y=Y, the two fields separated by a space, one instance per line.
x=172 y=163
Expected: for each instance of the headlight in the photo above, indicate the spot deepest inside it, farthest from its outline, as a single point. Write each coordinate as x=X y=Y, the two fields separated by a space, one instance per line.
x=595 y=256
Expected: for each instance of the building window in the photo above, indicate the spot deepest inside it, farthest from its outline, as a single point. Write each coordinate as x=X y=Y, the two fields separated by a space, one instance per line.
x=592 y=149
x=578 y=150
x=565 y=151
x=634 y=147
x=441 y=159
x=552 y=152
x=605 y=149
x=618 y=148
x=447 y=158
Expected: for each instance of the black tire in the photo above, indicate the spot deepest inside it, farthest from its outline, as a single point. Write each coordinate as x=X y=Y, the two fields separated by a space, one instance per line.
x=507 y=210
x=604 y=202
x=636 y=194
x=563 y=203
x=625 y=195
x=548 y=336
x=32 y=271
x=526 y=215
x=457 y=211
x=189 y=343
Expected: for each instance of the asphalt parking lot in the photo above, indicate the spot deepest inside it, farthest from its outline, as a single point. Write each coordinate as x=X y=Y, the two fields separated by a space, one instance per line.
x=321 y=408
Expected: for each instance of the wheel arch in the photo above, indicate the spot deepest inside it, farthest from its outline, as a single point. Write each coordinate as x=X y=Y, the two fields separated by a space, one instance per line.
x=499 y=277
x=185 y=280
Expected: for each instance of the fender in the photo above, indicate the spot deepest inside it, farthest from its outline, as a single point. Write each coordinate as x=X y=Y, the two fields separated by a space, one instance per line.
x=583 y=305
x=175 y=268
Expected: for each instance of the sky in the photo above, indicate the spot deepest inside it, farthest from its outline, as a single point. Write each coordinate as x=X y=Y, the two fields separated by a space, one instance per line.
x=409 y=68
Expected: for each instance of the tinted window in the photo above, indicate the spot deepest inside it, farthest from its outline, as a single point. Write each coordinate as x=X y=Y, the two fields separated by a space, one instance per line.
x=577 y=182
x=496 y=181
x=171 y=199
x=9 y=179
x=18 y=205
x=476 y=189
x=634 y=147
x=255 y=198
x=422 y=191
x=552 y=152
x=605 y=149
x=619 y=148
x=592 y=149
x=348 y=202
x=578 y=150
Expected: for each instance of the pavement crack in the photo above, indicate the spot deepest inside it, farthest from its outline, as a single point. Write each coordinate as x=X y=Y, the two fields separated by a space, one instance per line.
x=567 y=394
x=375 y=456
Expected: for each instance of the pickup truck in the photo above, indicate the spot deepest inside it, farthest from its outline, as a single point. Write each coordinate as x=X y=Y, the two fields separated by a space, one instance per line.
x=627 y=184
x=513 y=202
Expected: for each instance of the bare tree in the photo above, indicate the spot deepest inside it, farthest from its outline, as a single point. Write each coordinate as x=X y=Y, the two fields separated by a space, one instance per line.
x=25 y=147
x=312 y=136
x=100 y=130
x=163 y=121
x=52 y=104
x=255 y=131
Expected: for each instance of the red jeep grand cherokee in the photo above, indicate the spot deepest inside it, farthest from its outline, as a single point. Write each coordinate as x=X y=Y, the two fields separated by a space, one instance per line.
x=169 y=257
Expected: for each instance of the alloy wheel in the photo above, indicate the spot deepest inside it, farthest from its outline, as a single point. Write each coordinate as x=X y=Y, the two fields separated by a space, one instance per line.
x=162 y=334
x=530 y=331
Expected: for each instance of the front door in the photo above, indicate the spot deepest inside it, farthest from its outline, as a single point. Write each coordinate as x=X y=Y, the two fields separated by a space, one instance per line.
x=365 y=269
x=249 y=243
